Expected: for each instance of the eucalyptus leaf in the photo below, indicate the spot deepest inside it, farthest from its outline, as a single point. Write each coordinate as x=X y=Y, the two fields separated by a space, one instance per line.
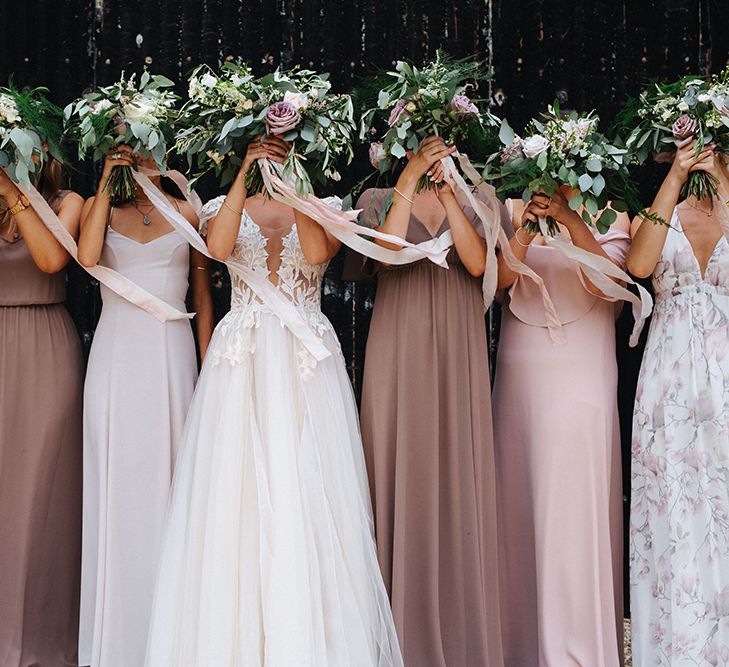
x=585 y=182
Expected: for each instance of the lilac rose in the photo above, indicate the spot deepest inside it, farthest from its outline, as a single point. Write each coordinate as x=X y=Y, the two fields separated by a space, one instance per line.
x=512 y=152
x=463 y=106
x=684 y=127
x=282 y=117
x=397 y=111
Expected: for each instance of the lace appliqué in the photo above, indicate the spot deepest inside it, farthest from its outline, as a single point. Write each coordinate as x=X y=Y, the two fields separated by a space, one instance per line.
x=298 y=280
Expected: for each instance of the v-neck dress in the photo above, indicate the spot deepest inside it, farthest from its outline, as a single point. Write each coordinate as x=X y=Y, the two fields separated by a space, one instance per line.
x=139 y=384
x=427 y=434
x=679 y=524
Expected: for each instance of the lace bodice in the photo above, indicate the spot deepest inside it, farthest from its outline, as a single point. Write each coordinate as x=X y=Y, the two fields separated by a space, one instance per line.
x=298 y=280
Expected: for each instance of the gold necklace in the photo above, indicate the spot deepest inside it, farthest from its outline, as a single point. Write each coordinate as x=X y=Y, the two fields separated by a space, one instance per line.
x=709 y=212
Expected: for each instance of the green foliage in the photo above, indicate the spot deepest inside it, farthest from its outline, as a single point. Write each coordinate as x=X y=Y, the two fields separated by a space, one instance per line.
x=30 y=131
x=226 y=111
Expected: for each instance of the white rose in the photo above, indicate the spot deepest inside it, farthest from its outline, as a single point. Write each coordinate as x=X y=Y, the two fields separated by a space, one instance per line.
x=535 y=145
x=682 y=106
x=297 y=100
x=103 y=105
x=208 y=80
x=138 y=109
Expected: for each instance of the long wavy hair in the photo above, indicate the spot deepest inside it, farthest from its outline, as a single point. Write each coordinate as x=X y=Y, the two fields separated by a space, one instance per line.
x=52 y=181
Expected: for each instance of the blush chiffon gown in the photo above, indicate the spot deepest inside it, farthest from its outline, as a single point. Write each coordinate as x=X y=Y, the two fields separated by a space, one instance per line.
x=559 y=469
x=426 y=427
x=141 y=375
x=41 y=380
x=269 y=557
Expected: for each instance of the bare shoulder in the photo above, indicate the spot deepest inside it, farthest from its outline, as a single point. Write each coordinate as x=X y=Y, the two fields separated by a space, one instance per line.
x=72 y=199
x=188 y=213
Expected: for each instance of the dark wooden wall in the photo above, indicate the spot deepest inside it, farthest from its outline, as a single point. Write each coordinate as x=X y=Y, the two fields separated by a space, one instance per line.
x=591 y=54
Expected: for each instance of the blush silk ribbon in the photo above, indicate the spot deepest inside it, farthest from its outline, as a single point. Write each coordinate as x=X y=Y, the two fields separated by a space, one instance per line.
x=600 y=271
x=114 y=280
x=342 y=226
x=259 y=283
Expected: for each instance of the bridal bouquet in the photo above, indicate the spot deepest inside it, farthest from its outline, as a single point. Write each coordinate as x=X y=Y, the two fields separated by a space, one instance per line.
x=667 y=114
x=413 y=103
x=227 y=110
x=139 y=115
x=30 y=129
x=566 y=149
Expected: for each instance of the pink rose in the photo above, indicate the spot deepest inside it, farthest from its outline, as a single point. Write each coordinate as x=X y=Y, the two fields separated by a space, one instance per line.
x=377 y=154
x=282 y=117
x=463 y=106
x=120 y=126
x=397 y=111
x=684 y=127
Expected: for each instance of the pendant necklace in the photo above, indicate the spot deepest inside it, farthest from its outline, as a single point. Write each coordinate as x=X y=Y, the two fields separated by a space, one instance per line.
x=145 y=218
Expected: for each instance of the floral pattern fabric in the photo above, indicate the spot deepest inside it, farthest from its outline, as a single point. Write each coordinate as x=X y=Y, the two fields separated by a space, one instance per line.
x=679 y=525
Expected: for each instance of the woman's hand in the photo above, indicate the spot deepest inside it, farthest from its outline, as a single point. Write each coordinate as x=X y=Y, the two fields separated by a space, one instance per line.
x=436 y=175
x=432 y=149
x=268 y=147
x=554 y=206
x=120 y=156
x=685 y=161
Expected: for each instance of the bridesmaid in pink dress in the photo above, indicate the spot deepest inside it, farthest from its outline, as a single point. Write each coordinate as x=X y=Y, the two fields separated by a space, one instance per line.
x=558 y=453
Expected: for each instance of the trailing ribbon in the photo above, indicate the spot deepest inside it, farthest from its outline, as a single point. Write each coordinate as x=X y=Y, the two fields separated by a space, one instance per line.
x=257 y=281
x=599 y=271
x=342 y=226
x=114 y=280
x=490 y=216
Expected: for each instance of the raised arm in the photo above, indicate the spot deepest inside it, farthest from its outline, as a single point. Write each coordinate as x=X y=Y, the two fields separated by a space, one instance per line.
x=471 y=248
x=95 y=214
x=519 y=242
x=317 y=244
x=397 y=220
x=202 y=300
x=649 y=238
x=223 y=228
x=48 y=254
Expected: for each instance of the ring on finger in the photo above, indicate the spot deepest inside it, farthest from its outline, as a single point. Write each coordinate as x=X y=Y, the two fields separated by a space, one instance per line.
x=116 y=156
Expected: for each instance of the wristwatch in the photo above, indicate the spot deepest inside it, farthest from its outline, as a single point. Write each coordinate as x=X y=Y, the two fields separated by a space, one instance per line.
x=22 y=204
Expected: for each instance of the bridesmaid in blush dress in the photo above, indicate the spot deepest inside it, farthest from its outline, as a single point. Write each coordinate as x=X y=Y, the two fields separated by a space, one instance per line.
x=426 y=427
x=140 y=379
x=41 y=377
x=558 y=453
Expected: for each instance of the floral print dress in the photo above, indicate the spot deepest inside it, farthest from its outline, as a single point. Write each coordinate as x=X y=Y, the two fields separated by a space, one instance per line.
x=679 y=525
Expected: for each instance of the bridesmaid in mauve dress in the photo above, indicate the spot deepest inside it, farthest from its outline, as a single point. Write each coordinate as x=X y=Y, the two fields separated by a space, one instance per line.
x=139 y=384
x=426 y=429
x=41 y=376
x=558 y=456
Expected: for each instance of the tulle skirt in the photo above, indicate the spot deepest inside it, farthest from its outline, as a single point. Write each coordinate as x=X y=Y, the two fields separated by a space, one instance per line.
x=269 y=555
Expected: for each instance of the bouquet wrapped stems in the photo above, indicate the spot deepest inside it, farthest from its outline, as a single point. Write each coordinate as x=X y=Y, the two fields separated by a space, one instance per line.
x=700 y=184
x=121 y=185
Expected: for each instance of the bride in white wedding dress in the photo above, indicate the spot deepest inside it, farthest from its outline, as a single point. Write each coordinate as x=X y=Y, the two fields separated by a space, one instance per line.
x=269 y=555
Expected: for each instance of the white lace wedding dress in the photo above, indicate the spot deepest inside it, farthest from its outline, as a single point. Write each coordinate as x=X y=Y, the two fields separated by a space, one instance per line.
x=269 y=556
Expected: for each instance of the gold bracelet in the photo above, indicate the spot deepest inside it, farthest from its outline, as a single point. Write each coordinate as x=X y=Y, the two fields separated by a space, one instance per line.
x=200 y=268
x=20 y=206
x=230 y=208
